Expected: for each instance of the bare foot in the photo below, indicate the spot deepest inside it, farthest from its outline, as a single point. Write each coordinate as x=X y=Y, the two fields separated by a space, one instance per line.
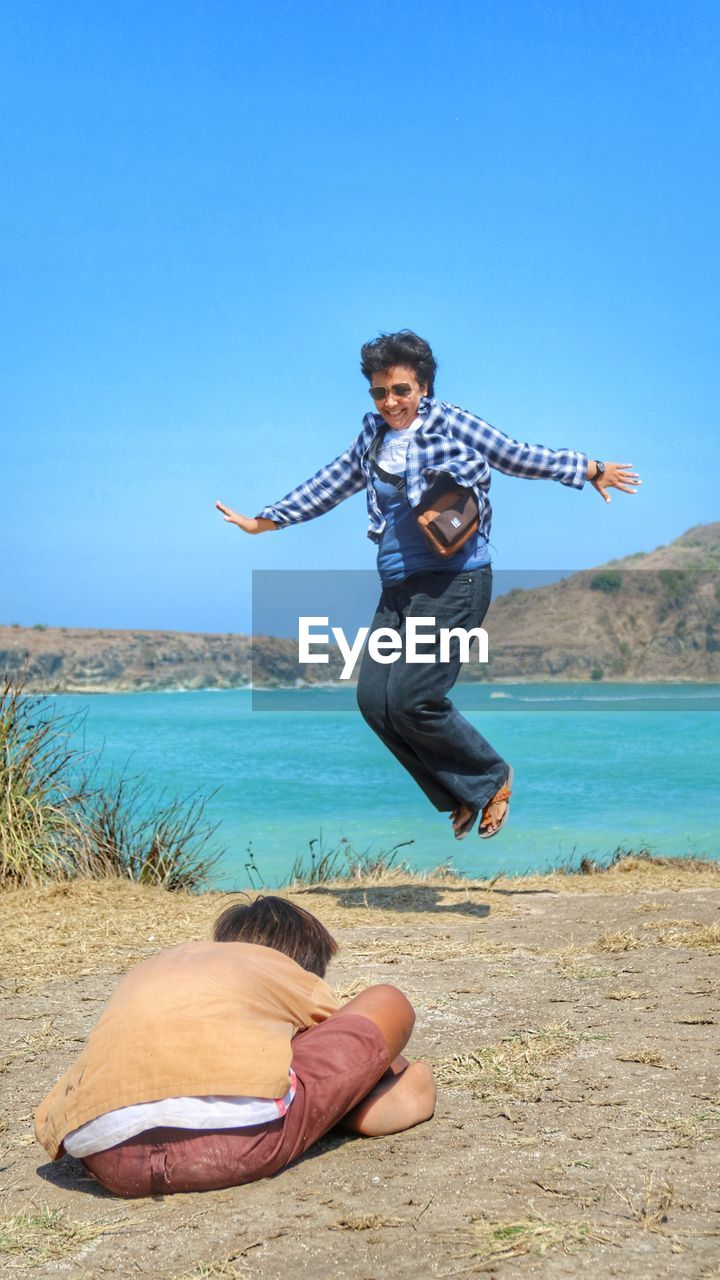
x=460 y=816
x=397 y=1102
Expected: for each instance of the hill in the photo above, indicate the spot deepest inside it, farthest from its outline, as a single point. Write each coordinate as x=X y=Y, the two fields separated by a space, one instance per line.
x=653 y=616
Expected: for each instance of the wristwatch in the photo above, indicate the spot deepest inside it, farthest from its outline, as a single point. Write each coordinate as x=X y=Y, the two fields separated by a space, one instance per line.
x=599 y=469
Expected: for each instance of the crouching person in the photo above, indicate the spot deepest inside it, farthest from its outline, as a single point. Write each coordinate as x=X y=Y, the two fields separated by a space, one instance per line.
x=218 y=1063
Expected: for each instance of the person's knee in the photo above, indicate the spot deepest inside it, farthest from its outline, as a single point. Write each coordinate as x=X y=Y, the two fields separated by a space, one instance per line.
x=392 y=1001
x=396 y=1000
x=389 y=1009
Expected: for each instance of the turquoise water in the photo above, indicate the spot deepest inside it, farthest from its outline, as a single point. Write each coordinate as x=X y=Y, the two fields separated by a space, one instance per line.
x=596 y=766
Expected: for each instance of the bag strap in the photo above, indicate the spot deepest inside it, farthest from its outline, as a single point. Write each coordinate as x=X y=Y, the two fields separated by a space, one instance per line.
x=398 y=482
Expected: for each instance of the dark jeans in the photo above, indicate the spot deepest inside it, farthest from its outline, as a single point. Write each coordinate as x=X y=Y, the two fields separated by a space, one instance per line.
x=407 y=704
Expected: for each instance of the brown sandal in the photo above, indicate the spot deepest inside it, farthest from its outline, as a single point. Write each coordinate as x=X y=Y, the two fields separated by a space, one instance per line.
x=504 y=793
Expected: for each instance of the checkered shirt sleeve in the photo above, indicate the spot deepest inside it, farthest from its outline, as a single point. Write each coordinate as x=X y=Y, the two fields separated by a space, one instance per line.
x=340 y=479
x=532 y=461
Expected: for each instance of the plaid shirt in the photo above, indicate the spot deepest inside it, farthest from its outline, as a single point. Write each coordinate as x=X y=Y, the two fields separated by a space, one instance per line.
x=450 y=441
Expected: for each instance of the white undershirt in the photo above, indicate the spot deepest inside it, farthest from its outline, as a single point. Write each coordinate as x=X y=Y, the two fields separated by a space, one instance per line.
x=392 y=454
x=211 y=1112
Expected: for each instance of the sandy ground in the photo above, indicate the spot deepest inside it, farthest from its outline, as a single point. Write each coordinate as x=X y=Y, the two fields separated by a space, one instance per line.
x=573 y=1024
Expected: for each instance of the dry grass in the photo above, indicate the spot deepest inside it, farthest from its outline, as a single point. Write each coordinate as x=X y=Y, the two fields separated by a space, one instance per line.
x=514 y=1066
x=496 y=1242
x=649 y=1207
x=583 y=972
x=683 y=1131
x=631 y=874
x=438 y=948
x=623 y=993
x=89 y=927
x=617 y=942
x=644 y=1056
x=662 y=925
x=107 y=926
x=425 y=897
x=93 y=926
x=689 y=933
x=367 y=1222
x=232 y=1268
x=48 y=1235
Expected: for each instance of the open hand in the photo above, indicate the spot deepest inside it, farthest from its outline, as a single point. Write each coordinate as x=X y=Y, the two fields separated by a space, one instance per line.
x=618 y=475
x=249 y=524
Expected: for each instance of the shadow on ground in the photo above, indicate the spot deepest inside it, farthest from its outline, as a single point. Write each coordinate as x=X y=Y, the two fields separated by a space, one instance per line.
x=401 y=897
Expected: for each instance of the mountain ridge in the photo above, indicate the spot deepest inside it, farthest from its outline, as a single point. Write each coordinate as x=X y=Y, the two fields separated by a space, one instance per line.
x=650 y=616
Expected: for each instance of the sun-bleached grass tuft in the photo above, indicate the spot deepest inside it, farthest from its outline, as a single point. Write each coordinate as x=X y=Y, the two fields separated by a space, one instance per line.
x=513 y=1066
x=669 y=925
x=623 y=993
x=231 y=1268
x=644 y=1056
x=683 y=1131
x=47 y=1235
x=367 y=1222
x=617 y=942
x=496 y=1242
x=688 y=933
x=584 y=972
x=648 y=1207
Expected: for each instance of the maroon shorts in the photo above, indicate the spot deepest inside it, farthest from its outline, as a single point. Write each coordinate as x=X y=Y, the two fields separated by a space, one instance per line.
x=336 y=1063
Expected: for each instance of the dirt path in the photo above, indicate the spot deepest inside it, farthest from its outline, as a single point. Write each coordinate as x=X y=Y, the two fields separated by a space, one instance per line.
x=574 y=1029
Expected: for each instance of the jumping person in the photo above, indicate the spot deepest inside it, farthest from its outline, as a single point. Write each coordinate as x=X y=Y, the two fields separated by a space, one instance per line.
x=413 y=442
x=219 y=1063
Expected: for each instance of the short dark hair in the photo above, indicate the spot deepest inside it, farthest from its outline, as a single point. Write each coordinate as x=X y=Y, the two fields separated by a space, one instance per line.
x=277 y=923
x=404 y=347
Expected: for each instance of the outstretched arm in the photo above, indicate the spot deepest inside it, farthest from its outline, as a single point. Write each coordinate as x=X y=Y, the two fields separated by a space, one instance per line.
x=536 y=461
x=340 y=479
x=615 y=475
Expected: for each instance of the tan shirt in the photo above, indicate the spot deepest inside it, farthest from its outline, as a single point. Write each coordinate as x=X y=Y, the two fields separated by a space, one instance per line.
x=203 y=1018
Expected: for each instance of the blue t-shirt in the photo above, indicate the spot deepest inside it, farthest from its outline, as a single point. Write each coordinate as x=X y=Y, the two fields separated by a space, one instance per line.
x=403 y=549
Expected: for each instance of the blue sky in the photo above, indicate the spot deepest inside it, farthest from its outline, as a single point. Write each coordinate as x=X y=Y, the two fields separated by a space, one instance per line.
x=207 y=207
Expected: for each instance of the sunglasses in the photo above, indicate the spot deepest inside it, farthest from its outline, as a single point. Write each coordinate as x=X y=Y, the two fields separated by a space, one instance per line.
x=399 y=389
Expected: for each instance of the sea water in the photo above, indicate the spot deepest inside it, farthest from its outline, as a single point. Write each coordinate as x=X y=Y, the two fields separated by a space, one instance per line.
x=597 y=767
